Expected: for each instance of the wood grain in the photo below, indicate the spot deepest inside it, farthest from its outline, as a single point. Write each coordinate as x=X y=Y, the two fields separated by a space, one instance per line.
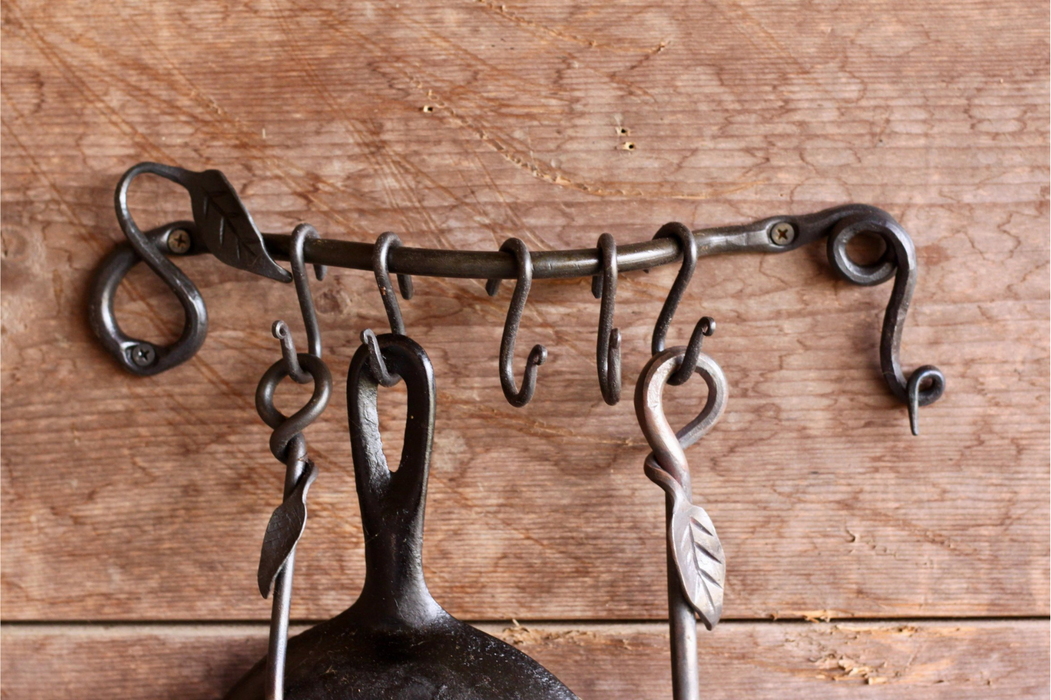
x=458 y=125
x=927 y=661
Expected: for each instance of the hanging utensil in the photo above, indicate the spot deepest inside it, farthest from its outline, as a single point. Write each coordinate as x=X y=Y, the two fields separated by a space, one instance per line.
x=396 y=642
x=277 y=560
x=696 y=565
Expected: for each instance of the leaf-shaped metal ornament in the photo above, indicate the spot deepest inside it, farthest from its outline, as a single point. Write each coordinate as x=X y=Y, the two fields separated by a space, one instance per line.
x=284 y=530
x=698 y=553
x=226 y=226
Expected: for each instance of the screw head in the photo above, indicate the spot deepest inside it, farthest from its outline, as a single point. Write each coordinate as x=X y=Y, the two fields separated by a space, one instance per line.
x=782 y=233
x=143 y=354
x=179 y=242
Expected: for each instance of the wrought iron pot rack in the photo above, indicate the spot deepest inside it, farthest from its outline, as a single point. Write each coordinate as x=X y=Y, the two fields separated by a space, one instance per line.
x=396 y=641
x=223 y=227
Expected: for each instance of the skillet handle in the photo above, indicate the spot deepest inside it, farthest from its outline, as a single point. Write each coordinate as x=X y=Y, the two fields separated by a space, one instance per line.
x=142 y=357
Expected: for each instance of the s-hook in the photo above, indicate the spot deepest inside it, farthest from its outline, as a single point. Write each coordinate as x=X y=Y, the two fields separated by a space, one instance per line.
x=141 y=357
x=277 y=559
x=704 y=327
x=380 y=253
x=607 y=348
x=300 y=235
x=696 y=564
x=538 y=355
x=898 y=260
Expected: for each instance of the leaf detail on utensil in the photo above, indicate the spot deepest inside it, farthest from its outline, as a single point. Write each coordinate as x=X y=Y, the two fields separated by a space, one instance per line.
x=696 y=549
x=226 y=226
x=284 y=530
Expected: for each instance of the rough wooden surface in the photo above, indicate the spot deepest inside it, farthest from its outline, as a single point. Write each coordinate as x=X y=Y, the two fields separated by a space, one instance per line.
x=457 y=126
x=925 y=661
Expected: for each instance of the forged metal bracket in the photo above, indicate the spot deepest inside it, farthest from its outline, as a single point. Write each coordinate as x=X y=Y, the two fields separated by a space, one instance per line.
x=142 y=357
x=223 y=227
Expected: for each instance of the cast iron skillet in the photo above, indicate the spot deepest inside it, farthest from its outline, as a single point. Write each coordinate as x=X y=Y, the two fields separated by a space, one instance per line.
x=396 y=642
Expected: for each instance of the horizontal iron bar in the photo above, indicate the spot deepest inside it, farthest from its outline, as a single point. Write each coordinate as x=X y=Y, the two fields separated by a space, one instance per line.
x=563 y=264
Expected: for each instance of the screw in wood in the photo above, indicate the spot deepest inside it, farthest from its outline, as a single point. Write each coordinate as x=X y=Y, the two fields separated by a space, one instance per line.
x=179 y=242
x=782 y=234
x=143 y=355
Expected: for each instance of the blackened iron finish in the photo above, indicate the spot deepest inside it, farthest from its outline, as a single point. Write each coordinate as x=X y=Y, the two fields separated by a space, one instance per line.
x=396 y=642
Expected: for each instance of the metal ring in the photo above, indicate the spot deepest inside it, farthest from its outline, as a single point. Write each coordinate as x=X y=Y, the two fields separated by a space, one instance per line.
x=668 y=446
x=864 y=275
x=286 y=427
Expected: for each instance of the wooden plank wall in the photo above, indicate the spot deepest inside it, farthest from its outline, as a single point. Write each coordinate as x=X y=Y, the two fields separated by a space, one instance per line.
x=861 y=560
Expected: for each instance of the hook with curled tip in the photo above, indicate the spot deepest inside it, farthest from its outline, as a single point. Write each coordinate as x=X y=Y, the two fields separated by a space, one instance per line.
x=300 y=235
x=376 y=362
x=538 y=355
x=380 y=253
x=280 y=329
x=704 y=327
x=937 y=379
x=899 y=260
x=607 y=350
x=288 y=352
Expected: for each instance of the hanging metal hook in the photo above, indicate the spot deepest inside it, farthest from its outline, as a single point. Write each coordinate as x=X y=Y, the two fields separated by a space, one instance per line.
x=898 y=260
x=704 y=327
x=538 y=355
x=380 y=253
x=300 y=234
x=607 y=350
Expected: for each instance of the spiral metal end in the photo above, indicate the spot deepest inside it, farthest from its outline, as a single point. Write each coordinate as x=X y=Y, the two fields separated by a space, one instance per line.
x=922 y=397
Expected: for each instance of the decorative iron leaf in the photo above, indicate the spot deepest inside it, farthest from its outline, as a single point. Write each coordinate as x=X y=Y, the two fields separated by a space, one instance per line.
x=696 y=549
x=226 y=226
x=284 y=530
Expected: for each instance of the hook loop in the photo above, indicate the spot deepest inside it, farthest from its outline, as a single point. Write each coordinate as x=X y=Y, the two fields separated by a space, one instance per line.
x=696 y=563
x=277 y=560
x=607 y=349
x=538 y=355
x=667 y=444
x=898 y=260
x=285 y=427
